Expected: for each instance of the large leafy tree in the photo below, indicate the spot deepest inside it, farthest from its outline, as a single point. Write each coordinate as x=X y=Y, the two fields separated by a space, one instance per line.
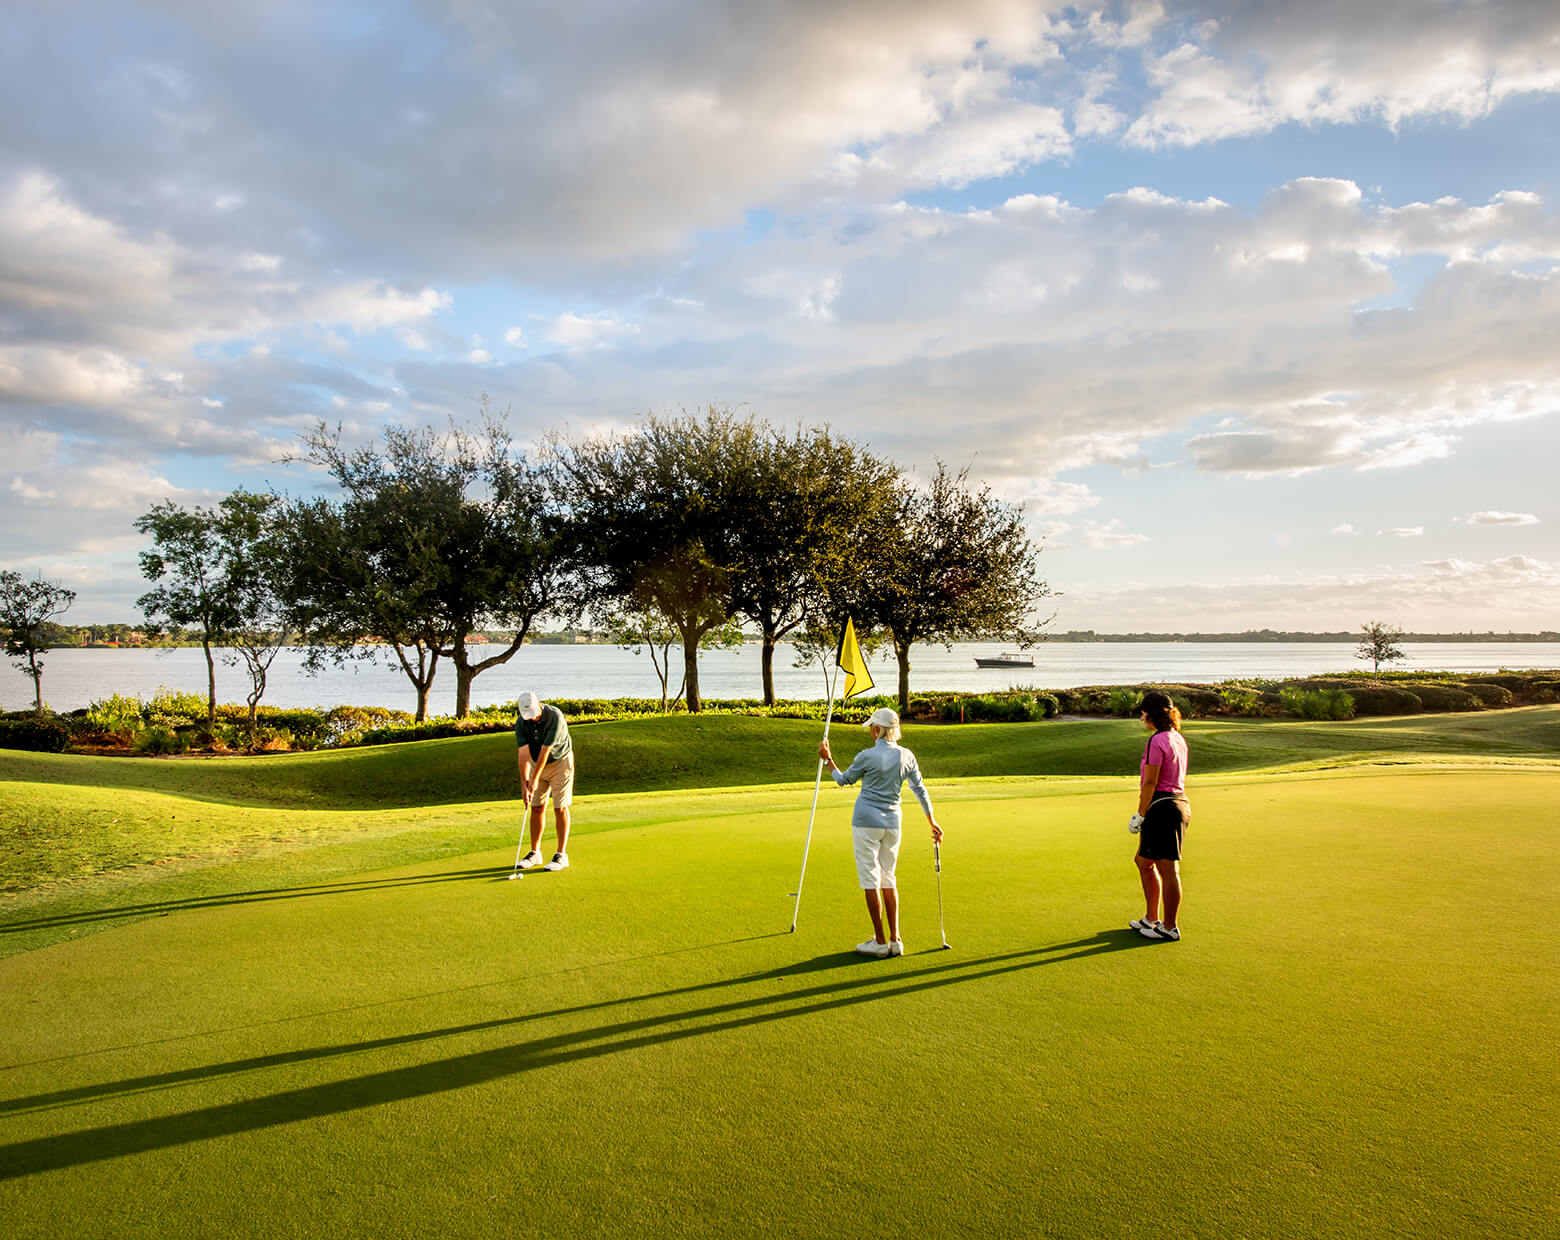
x=216 y=570
x=803 y=499
x=187 y=561
x=943 y=562
x=252 y=557
x=27 y=611
x=433 y=538
x=655 y=518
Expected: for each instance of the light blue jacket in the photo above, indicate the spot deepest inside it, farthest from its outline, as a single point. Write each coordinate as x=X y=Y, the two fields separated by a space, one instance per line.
x=883 y=770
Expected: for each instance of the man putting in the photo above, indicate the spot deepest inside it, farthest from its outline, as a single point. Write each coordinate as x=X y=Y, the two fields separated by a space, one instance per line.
x=546 y=761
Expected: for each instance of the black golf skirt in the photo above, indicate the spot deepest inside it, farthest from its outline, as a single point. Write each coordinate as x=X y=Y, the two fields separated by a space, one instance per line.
x=1164 y=826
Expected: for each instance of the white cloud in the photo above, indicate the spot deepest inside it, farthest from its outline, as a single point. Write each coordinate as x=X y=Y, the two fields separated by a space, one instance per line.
x=1496 y=517
x=1332 y=62
x=1110 y=535
x=1345 y=528
x=26 y=491
x=1405 y=531
x=584 y=330
x=1512 y=593
x=515 y=336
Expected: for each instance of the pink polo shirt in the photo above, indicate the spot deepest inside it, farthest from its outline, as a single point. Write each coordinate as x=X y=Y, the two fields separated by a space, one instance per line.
x=1167 y=750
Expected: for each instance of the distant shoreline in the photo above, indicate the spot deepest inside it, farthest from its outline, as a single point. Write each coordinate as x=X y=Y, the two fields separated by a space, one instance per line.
x=1268 y=635
x=1074 y=636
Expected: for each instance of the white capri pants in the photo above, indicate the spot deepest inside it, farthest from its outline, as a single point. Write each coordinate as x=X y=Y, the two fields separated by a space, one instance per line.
x=877 y=856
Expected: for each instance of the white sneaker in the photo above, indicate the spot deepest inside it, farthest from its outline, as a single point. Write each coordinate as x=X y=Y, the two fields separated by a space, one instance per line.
x=560 y=861
x=531 y=858
x=873 y=948
x=896 y=947
x=1140 y=924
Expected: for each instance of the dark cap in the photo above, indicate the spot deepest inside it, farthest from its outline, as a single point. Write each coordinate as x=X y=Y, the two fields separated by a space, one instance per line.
x=1155 y=701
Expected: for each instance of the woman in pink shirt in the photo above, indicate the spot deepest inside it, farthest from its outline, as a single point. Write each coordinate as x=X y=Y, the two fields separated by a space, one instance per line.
x=1162 y=814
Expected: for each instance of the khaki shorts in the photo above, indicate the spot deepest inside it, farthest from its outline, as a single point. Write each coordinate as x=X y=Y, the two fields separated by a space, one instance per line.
x=877 y=856
x=556 y=778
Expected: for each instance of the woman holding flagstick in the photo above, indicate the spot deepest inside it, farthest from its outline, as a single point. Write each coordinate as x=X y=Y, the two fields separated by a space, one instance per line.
x=882 y=770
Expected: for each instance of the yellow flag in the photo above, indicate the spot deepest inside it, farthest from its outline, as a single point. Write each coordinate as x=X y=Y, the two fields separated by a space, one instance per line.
x=848 y=659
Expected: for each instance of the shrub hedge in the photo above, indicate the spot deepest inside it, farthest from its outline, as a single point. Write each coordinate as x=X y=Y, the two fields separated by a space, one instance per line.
x=38 y=735
x=173 y=722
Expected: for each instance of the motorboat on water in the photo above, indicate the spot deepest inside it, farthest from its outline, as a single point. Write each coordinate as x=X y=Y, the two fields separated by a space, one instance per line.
x=1006 y=660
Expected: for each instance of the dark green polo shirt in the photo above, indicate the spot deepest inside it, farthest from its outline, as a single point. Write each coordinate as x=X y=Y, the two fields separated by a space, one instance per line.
x=548 y=728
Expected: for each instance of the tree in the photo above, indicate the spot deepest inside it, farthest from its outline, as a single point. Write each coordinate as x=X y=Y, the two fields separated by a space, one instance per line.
x=434 y=537
x=942 y=563
x=188 y=561
x=654 y=514
x=26 y=607
x=800 y=500
x=1380 y=644
x=251 y=556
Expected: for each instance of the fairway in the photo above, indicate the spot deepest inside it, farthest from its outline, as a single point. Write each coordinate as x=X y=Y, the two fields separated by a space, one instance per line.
x=1355 y=1038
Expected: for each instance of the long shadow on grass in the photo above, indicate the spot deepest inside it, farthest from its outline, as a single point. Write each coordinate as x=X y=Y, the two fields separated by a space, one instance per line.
x=871 y=981
x=161 y=908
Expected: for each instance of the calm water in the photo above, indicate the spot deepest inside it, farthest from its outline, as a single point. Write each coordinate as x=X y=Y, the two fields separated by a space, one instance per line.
x=74 y=678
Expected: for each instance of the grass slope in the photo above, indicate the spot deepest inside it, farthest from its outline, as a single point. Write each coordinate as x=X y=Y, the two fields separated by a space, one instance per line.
x=123 y=836
x=1354 y=1039
x=683 y=751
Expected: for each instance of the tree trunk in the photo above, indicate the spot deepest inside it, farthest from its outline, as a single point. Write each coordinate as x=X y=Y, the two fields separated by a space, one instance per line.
x=767 y=661
x=466 y=671
x=211 y=685
x=902 y=653
x=421 y=676
x=36 y=673
x=690 y=641
x=464 y=675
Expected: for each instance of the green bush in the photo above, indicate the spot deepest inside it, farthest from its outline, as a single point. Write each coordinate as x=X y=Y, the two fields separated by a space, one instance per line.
x=1489 y=695
x=1123 y=702
x=115 y=715
x=159 y=740
x=1384 y=700
x=1317 y=703
x=1438 y=697
x=1047 y=704
x=36 y=735
x=1240 y=700
x=173 y=708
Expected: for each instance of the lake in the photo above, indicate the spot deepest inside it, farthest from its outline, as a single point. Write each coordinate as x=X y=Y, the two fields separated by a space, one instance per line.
x=76 y=678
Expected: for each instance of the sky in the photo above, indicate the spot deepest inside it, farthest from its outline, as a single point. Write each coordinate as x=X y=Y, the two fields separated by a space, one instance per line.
x=1253 y=306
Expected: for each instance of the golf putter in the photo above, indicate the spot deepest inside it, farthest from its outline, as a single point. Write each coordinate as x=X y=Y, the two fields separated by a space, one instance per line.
x=937 y=866
x=519 y=844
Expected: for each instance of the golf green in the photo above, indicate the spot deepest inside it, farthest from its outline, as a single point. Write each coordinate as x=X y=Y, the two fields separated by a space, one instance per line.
x=1355 y=1037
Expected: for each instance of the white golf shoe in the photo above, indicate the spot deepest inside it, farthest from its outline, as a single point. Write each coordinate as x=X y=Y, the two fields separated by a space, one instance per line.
x=560 y=861
x=896 y=947
x=531 y=858
x=873 y=948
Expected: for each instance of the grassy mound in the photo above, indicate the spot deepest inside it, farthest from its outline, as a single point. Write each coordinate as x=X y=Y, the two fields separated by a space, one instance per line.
x=70 y=817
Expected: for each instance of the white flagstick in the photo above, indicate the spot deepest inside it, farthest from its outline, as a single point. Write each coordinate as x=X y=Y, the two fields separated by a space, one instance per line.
x=817 y=783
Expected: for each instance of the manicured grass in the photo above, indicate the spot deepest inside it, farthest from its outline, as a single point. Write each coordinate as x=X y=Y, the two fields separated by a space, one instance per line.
x=67 y=817
x=1353 y=1040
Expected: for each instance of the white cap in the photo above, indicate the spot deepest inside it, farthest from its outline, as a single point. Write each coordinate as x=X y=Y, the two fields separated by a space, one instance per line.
x=882 y=717
x=530 y=705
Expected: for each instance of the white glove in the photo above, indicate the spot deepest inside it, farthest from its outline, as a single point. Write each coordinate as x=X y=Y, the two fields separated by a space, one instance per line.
x=1134 y=824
